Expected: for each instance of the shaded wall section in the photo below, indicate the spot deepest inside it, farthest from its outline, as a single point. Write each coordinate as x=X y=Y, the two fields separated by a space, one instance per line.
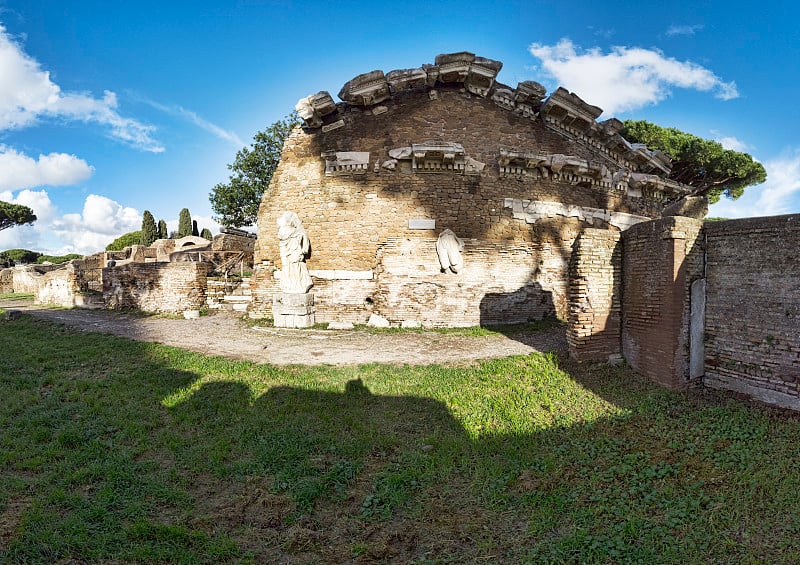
x=752 y=340
x=661 y=260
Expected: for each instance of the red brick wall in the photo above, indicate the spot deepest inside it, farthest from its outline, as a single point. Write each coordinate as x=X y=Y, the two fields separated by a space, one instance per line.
x=753 y=308
x=156 y=287
x=661 y=259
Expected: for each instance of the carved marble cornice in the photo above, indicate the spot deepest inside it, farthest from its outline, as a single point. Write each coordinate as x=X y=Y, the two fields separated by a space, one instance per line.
x=563 y=111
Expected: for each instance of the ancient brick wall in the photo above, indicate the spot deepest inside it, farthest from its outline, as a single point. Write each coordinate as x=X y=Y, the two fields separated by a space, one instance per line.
x=60 y=287
x=348 y=216
x=156 y=287
x=6 y=280
x=595 y=285
x=414 y=152
x=499 y=283
x=753 y=308
x=661 y=260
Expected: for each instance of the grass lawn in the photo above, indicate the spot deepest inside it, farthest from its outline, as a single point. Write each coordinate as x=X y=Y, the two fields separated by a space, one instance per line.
x=118 y=451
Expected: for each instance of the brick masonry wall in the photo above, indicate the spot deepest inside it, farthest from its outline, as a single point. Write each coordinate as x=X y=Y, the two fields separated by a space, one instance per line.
x=497 y=285
x=661 y=260
x=6 y=280
x=156 y=287
x=348 y=218
x=500 y=283
x=60 y=287
x=595 y=284
x=753 y=308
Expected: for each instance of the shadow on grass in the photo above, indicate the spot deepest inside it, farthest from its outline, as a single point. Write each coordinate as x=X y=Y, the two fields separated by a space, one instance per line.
x=124 y=451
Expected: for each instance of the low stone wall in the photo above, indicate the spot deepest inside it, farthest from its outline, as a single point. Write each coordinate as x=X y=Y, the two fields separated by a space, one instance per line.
x=6 y=280
x=595 y=296
x=59 y=288
x=156 y=287
x=26 y=278
x=752 y=330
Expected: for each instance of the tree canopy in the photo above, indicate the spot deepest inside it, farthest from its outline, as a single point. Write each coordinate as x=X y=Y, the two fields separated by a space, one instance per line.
x=236 y=202
x=125 y=240
x=700 y=163
x=15 y=215
x=149 y=229
x=184 y=223
x=162 y=229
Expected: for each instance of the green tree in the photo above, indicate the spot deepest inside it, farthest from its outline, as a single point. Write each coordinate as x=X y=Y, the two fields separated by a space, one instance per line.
x=184 y=223
x=700 y=163
x=57 y=259
x=149 y=229
x=162 y=229
x=236 y=202
x=125 y=240
x=20 y=255
x=15 y=215
x=206 y=233
x=195 y=231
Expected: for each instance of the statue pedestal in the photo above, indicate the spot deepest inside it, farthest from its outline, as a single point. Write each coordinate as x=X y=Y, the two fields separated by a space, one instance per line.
x=290 y=310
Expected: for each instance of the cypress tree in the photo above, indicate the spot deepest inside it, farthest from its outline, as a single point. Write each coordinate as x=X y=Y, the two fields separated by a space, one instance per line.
x=184 y=223
x=149 y=230
x=162 y=229
x=206 y=233
x=195 y=232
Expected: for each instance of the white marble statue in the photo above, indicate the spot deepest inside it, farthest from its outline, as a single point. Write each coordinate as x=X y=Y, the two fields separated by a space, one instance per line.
x=449 y=247
x=295 y=248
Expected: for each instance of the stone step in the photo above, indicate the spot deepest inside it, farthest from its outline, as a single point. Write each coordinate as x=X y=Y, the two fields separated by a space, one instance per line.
x=236 y=298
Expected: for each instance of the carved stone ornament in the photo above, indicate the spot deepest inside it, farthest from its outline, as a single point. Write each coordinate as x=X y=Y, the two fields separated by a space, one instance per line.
x=437 y=157
x=315 y=107
x=366 y=89
x=339 y=163
x=449 y=247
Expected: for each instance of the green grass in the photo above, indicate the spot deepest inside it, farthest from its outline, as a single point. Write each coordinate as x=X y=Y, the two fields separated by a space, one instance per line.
x=16 y=296
x=112 y=450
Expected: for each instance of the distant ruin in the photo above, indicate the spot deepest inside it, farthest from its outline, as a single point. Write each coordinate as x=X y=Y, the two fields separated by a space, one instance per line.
x=170 y=276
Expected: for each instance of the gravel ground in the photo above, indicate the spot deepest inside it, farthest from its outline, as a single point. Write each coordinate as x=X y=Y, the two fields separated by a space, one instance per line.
x=227 y=334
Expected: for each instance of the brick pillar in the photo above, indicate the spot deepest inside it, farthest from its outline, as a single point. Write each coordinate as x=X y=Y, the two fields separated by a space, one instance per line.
x=595 y=273
x=662 y=259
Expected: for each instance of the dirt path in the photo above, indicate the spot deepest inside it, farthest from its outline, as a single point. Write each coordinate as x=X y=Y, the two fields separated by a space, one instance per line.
x=229 y=335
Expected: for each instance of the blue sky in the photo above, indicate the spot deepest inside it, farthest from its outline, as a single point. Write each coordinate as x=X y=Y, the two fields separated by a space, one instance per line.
x=108 y=109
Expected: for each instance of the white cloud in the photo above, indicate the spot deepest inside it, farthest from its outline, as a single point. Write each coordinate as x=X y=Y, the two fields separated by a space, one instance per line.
x=730 y=142
x=17 y=170
x=689 y=30
x=627 y=78
x=27 y=95
x=101 y=221
x=202 y=123
x=780 y=194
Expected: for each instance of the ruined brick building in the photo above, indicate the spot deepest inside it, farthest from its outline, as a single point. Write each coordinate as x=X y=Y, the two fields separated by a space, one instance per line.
x=408 y=154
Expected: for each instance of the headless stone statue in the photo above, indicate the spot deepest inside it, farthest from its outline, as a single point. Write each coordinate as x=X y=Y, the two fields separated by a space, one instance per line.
x=295 y=248
x=449 y=247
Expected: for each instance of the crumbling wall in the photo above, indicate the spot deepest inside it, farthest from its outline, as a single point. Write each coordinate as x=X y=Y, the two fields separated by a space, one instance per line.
x=595 y=285
x=6 y=280
x=753 y=308
x=497 y=284
x=60 y=287
x=156 y=287
x=661 y=260
x=26 y=278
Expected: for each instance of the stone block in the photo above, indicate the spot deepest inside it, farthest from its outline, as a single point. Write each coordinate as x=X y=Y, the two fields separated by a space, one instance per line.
x=290 y=310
